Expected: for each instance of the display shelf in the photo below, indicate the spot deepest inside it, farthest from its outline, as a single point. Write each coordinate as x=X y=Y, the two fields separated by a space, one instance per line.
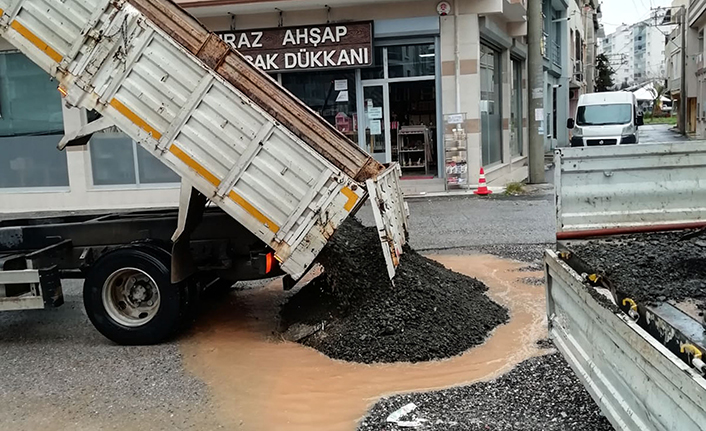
x=415 y=140
x=455 y=150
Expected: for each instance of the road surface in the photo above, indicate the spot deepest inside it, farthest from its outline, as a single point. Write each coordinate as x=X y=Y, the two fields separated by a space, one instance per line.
x=60 y=373
x=659 y=134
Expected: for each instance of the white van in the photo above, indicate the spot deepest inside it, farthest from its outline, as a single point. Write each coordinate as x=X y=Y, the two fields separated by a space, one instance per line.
x=610 y=118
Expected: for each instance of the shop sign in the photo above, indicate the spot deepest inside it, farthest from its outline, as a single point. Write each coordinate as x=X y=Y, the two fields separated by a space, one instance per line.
x=285 y=49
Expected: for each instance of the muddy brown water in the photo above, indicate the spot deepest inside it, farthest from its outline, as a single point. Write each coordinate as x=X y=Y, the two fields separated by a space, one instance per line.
x=260 y=382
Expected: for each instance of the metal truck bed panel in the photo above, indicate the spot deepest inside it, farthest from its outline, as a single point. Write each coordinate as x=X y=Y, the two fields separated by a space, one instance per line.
x=620 y=187
x=237 y=150
x=637 y=382
x=260 y=88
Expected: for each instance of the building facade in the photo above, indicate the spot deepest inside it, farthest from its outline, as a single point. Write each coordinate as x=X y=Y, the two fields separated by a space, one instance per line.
x=636 y=52
x=583 y=29
x=691 y=58
x=391 y=93
x=557 y=71
x=696 y=70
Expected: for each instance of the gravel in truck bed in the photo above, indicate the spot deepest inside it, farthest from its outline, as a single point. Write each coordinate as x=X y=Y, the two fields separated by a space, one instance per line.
x=539 y=394
x=351 y=312
x=650 y=267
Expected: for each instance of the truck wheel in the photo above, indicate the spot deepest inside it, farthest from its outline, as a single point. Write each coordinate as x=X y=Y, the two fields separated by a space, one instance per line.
x=129 y=297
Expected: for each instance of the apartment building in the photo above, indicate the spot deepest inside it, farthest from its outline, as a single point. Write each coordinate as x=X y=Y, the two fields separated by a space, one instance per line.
x=584 y=30
x=696 y=19
x=636 y=52
x=558 y=69
x=410 y=65
x=692 y=60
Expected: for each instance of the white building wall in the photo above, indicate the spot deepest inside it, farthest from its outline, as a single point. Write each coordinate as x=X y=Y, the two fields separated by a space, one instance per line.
x=620 y=47
x=656 y=66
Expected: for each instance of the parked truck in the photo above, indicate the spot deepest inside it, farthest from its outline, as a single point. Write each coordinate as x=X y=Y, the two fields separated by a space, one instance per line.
x=282 y=178
x=641 y=361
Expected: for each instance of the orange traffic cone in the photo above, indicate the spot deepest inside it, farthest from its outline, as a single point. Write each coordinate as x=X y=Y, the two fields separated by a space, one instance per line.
x=482 y=188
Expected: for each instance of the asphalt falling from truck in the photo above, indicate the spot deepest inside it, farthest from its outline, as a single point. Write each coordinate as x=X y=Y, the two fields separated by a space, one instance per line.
x=352 y=312
x=258 y=381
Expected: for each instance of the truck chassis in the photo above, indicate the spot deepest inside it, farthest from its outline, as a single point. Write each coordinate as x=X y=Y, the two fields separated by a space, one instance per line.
x=126 y=260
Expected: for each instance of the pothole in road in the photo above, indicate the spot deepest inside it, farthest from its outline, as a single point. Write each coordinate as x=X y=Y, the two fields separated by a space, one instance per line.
x=259 y=381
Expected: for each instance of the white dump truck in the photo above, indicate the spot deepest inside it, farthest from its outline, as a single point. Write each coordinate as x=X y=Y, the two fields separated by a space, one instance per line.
x=283 y=178
x=641 y=361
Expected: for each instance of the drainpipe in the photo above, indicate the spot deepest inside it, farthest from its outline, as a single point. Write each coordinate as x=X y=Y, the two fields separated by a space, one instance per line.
x=457 y=59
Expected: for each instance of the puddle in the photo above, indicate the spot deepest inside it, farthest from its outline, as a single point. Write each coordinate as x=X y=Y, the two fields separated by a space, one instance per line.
x=259 y=382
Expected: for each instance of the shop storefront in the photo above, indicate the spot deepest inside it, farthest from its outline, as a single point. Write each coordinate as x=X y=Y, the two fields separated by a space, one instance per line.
x=387 y=75
x=380 y=90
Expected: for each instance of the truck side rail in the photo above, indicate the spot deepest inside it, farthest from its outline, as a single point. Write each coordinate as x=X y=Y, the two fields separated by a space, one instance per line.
x=637 y=382
x=630 y=188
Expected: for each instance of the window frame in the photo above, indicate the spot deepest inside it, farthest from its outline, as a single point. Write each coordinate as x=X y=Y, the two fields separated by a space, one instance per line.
x=59 y=188
x=137 y=185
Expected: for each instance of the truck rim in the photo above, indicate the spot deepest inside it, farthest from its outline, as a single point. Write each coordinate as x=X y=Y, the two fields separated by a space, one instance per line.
x=131 y=297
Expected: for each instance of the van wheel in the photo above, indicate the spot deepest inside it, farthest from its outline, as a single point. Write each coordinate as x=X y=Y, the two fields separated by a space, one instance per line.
x=129 y=297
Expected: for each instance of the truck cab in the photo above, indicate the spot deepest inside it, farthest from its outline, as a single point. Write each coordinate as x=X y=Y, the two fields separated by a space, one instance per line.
x=610 y=118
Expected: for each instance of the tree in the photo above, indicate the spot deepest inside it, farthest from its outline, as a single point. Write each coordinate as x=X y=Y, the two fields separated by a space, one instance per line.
x=659 y=91
x=604 y=78
x=624 y=85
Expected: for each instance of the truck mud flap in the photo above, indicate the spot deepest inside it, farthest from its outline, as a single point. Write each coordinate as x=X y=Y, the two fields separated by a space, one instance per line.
x=391 y=214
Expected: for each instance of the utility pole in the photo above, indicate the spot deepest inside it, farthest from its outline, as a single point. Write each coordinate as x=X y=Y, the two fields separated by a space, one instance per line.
x=682 y=86
x=535 y=70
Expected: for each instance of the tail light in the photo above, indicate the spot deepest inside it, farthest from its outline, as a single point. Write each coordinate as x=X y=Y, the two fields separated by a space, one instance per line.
x=265 y=263
x=269 y=262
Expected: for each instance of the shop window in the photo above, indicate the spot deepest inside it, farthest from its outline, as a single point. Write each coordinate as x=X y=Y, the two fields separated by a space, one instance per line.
x=377 y=70
x=117 y=160
x=330 y=93
x=413 y=126
x=406 y=92
x=516 y=109
x=31 y=124
x=490 y=106
x=411 y=60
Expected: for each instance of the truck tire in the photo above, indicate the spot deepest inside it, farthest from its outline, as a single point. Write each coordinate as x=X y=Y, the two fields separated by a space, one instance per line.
x=129 y=298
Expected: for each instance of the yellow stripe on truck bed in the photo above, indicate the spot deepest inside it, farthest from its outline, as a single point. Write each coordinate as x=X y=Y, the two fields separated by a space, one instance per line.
x=142 y=124
x=247 y=206
x=193 y=164
x=253 y=211
x=39 y=43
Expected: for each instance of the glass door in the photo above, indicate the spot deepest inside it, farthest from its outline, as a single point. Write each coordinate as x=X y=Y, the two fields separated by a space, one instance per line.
x=376 y=131
x=490 y=106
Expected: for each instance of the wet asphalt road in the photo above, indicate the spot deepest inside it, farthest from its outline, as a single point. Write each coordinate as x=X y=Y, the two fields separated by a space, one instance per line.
x=471 y=222
x=659 y=134
x=58 y=371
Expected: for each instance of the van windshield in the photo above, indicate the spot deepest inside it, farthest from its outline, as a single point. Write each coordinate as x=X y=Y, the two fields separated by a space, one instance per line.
x=601 y=115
